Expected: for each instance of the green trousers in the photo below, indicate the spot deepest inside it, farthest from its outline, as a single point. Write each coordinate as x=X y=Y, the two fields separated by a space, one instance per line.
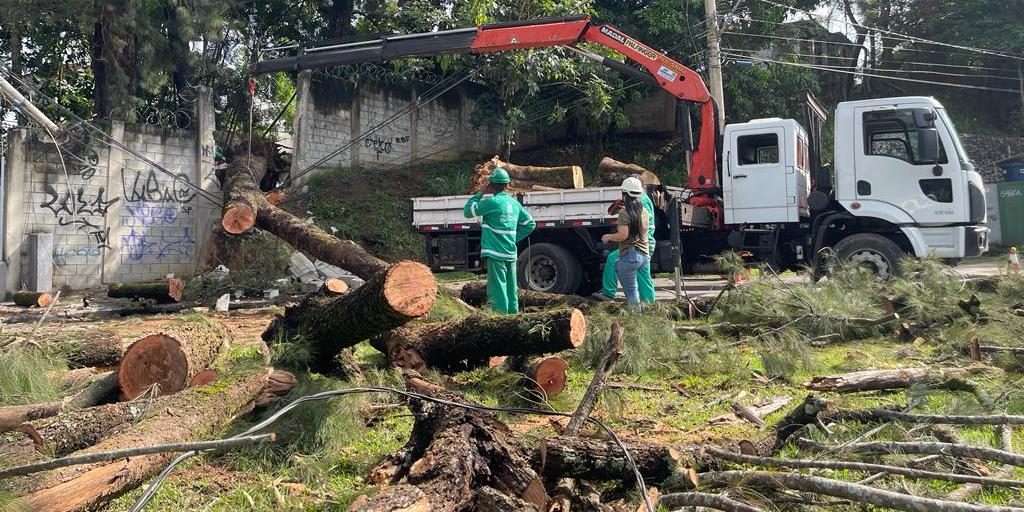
x=502 y=291
x=644 y=281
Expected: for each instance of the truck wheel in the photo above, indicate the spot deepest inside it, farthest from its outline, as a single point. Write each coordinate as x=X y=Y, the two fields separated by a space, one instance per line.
x=877 y=252
x=548 y=268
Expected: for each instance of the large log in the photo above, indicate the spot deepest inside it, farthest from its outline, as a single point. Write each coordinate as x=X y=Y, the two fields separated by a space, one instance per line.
x=402 y=292
x=190 y=415
x=612 y=172
x=169 y=290
x=475 y=294
x=527 y=177
x=32 y=299
x=97 y=347
x=595 y=459
x=451 y=455
x=897 y=378
x=170 y=358
x=477 y=338
x=101 y=387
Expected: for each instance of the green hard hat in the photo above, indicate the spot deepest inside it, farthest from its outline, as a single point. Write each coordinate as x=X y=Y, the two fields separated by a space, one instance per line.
x=498 y=175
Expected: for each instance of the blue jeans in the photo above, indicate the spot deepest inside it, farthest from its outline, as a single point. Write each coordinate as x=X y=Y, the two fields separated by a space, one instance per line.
x=629 y=263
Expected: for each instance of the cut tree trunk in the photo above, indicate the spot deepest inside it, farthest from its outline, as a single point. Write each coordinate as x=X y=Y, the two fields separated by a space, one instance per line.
x=546 y=374
x=69 y=431
x=451 y=455
x=475 y=294
x=899 y=378
x=33 y=299
x=404 y=291
x=171 y=358
x=334 y=286
x=527 y=177
x=595 y=459
x=102 y=386
x=186 y=416
x=241 y=196
x=612 y=172
x=475 y=339
x=97 y=348
x=160 y=291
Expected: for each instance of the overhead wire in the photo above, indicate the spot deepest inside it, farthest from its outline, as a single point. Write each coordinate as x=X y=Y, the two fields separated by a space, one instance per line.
x=158 y=481
x=886 y=61
x=861 y=73
x=910 y=71
x=916 y=39
x=110 y=141
x=839 y=43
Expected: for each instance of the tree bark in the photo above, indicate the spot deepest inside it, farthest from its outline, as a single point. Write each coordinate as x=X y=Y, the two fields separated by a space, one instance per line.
x=32 y=299
x=450 y=453
x=98 y=348
x=186 y=416
x=596 y=459
x=526 y=177
x=612 y=172
x=846 y=490
x=242 y=196
x=924 y=448
x=899 y=378
x=171 y=358
x=160 y=291
x=609 y=356
x=475 y=339
x=703 y=500
x=98 y=390
x=879 y=415
x=546 y=374
x=402 y=292
x=475 y=294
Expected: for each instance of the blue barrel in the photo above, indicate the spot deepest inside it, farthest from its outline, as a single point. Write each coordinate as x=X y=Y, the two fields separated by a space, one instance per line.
x=1014 y=171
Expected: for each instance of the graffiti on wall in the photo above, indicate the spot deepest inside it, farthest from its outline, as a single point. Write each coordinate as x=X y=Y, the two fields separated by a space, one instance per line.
x=82 y=210
x=158 y=214
x=148 y=187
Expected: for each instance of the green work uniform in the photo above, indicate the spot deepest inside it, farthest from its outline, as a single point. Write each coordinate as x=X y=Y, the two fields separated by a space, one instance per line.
x=503 y=223
x=644 y=281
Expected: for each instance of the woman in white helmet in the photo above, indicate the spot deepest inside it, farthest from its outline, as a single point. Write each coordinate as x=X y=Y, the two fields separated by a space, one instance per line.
x=631 y=235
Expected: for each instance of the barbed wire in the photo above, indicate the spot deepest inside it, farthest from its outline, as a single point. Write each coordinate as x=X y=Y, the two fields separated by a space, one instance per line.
x=381 y=74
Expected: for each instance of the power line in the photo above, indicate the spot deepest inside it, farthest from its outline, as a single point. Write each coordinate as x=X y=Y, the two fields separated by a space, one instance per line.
x=916 y=39
x=158 y=481
x=912 y=71
x=861 y=73
x=911 y=62
x=838 y=43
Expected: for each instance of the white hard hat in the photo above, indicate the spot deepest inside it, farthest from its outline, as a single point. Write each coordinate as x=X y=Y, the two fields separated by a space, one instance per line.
x=633 y=187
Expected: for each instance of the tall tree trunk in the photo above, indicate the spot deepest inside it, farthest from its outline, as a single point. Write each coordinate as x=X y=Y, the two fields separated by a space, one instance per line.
x=339 y=21
x=178 y=46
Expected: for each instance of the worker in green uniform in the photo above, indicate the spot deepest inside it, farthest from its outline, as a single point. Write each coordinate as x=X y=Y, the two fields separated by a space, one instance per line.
x=645 y=282
x=503 y=223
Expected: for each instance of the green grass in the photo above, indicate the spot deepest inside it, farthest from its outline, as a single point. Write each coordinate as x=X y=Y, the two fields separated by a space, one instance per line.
x=29 y=375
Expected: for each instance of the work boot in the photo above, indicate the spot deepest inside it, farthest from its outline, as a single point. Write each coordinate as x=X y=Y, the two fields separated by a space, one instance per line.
x=600 y=297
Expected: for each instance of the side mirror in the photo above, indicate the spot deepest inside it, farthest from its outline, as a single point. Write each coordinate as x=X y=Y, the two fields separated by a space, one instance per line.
x=927 y=145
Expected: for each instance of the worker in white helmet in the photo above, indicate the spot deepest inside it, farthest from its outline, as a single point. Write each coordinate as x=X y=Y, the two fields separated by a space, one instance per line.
x=631 y=235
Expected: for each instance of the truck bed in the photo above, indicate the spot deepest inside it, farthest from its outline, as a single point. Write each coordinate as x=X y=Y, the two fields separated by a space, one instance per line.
x=549 y=208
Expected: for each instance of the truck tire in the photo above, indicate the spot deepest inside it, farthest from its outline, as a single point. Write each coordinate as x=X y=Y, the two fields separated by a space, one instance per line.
x=877 y=252
x=548 y=268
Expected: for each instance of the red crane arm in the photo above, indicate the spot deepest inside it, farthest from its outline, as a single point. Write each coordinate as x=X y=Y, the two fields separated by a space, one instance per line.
x=675 y=78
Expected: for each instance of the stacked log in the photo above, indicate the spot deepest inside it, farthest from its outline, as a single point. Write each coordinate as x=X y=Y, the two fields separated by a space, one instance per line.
x=101 y=348
x=164 y=291
x=472 y=341
x=527 y=177
x=167 y=361
x=612 y=172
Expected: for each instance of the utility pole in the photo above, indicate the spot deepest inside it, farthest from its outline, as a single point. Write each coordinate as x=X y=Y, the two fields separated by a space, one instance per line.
x=715 y=60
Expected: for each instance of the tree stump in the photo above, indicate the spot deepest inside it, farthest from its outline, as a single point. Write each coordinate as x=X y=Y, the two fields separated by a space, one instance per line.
x=171 y=358
x=32 y=299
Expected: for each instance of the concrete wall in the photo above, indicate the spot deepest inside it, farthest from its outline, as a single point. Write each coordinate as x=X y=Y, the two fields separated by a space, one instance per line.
x=439 y=130
x=114 y=216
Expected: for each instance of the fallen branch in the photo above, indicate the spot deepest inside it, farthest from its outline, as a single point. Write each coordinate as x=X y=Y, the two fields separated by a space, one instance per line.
x=611 y=353
x=706 y=500
x=898 y=378
x=97 y=391
x=90 y=458
x=597 y=459
x=872 y=415
x=966 y=492
x=840 y=489
x=861 y=466
x=922 y=448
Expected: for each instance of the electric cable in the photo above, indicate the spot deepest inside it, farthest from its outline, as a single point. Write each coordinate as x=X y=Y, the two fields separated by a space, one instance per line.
x=886 y=61
x=861 y=73
x=839 y=43
x=107 y=139
x=914 y=71
x=986 y=51
x=158 y=481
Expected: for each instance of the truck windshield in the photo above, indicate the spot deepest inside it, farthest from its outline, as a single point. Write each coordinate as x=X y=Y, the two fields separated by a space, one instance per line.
x=960 y=151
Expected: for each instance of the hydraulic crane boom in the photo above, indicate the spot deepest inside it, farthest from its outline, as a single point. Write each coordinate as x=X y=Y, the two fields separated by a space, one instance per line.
x=675 y=78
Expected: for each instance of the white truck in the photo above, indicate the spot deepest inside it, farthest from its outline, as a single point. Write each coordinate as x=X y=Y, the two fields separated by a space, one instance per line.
x=903 y=185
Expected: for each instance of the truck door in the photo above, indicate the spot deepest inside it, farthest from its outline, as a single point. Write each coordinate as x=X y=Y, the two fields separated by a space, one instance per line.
x=755 y=185
x=894 y=180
